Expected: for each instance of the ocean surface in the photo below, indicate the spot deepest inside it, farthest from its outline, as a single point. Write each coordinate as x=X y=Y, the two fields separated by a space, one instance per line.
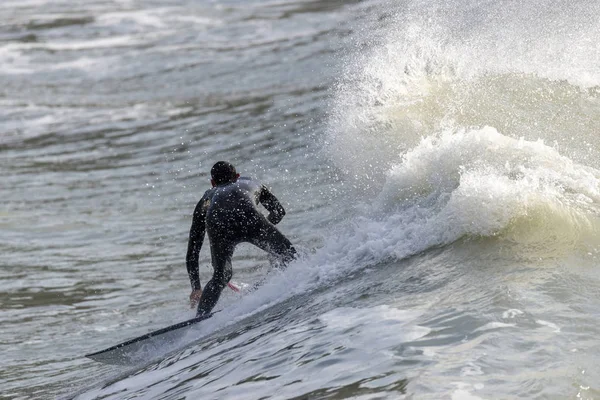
x=439 y=162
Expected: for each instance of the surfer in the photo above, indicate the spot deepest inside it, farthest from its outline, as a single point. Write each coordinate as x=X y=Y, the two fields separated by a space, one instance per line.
x=228 y=213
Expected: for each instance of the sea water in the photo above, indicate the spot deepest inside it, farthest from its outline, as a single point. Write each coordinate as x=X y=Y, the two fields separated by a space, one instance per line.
x=438 y=161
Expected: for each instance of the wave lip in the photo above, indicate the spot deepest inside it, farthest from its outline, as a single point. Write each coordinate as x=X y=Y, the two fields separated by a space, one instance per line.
x=480 y=183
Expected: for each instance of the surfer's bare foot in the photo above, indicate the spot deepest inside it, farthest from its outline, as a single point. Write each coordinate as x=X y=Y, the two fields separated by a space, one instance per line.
x=195 y=297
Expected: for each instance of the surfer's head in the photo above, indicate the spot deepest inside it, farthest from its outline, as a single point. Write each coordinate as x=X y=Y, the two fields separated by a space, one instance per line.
x=223 y=172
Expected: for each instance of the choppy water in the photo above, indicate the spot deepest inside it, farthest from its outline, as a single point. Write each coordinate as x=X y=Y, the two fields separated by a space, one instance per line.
x=438 y=161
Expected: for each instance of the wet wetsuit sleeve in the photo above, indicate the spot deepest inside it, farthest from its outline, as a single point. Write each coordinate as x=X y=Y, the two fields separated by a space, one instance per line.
x=270 y=202
x=195 y=243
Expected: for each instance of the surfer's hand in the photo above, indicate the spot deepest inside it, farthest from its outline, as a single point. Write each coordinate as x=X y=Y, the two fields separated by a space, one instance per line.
x=195 y=297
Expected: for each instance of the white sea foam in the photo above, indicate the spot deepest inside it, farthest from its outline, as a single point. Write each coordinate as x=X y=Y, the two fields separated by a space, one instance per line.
x=17 y=58
x=11 y=4
x=13 y=61
x=471 y=369
x=463 y=391
x=58 y=45
x=87 y=64
x=152 y=18
x=198 y=19
x=512 y=313
x=478 y=182
x=555 y=328
x=108 y=42
x=493 y=326
x=161 y=18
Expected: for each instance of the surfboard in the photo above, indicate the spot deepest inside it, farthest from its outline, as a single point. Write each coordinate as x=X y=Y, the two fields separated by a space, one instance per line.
x=138 y=349
x=153 y=343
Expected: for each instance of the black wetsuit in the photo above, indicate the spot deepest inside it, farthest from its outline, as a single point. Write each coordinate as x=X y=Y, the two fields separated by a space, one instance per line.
x=229 y=214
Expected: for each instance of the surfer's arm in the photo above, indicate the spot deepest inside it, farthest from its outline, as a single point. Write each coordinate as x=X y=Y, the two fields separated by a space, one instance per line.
x=195 y=244
x=273 y=206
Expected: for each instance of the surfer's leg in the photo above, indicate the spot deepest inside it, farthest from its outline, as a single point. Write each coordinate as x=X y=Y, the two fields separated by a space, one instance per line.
x=221 y=261
x=275 y=243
